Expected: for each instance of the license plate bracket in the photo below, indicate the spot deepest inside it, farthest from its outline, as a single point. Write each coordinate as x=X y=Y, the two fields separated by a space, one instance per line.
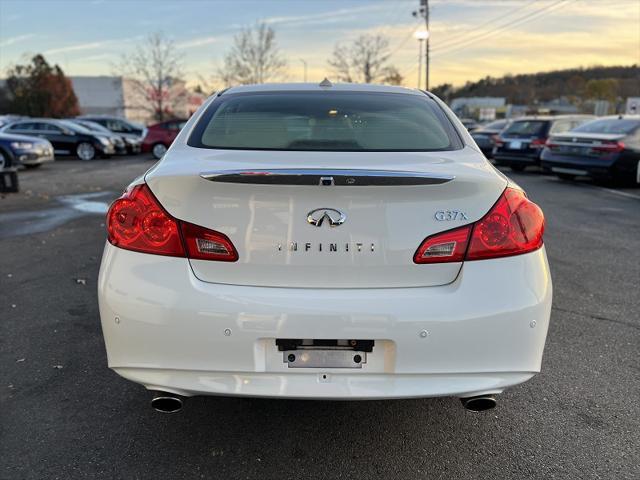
x=324 y=358
x=295 y=343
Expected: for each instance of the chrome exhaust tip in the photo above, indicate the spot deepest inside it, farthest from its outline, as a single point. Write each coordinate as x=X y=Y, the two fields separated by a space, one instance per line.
x=166 y=402
x=479 y=403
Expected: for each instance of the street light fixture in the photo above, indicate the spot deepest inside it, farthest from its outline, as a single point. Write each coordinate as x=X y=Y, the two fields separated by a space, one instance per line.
x=421 y=35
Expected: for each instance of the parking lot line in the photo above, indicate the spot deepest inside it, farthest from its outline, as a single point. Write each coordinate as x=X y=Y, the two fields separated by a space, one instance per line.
x=617 y=192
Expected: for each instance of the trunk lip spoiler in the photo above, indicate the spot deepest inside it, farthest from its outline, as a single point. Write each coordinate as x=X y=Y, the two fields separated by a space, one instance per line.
x=327 y=177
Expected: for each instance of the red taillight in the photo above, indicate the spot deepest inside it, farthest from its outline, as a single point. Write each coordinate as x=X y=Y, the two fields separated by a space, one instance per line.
x=538 y=143
x=137 y=221
x=205 y=244
x=513 y=226
x=449 y=246
x=497 y=140
x=609 y=147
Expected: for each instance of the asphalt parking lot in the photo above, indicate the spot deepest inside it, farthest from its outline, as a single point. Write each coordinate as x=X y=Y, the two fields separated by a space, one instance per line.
x=64 y=415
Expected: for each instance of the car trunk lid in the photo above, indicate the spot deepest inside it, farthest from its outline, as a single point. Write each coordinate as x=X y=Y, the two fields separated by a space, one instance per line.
x=345 y=220
x=581 y=144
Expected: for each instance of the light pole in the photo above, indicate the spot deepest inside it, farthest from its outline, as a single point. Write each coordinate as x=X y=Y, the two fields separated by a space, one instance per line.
x=421 y=35
x=304 y=62
x=423 y=12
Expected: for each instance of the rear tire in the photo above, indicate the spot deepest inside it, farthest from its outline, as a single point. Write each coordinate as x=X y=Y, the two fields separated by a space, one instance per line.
x=85 y=151
x=518 y=168
x=5 y=160
x=158 y=150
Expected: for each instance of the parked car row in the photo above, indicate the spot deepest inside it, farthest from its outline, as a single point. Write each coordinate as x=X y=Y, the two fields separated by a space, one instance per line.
x=33 y=141
x=607 y=149
x=521 y=143
x=604 y=148
x=567 y=145
x=130 y=133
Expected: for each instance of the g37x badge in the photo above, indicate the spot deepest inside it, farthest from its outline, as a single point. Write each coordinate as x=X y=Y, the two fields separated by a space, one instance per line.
x=449 y=215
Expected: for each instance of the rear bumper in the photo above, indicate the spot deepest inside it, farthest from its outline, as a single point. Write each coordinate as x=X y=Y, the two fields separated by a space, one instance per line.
x=134 y=147
x=593 y=167
x=31 y=157
x=106 y=149
x=167 y=330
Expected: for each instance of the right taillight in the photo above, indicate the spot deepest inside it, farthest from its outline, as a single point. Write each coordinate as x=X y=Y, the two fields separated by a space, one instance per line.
x=608 y=146
x=513 y=226
x=136 y=221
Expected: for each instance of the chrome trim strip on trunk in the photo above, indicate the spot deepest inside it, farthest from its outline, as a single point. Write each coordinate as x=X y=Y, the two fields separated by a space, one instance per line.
x=326 y=177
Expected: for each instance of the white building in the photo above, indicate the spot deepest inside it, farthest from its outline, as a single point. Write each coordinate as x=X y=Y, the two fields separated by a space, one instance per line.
x=120 y=96
x=100 y=95
x=483 y=108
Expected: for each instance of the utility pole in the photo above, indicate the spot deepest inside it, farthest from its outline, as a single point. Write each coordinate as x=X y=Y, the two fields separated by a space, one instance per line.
x=419 y=63
x=304 y=62
x=423 y=11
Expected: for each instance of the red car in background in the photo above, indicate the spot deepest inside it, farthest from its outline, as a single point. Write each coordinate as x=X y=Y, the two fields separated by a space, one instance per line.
x=160 y=136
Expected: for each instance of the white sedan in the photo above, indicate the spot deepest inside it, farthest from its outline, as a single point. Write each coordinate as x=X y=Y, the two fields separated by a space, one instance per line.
x=324 y=242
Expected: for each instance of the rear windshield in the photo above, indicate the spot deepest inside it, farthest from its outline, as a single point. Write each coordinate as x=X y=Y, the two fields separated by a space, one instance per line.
x=526 y=128
x=495 y=125
x=96 y=127
x=329 y=121
x=74 y=126
x=609 y=125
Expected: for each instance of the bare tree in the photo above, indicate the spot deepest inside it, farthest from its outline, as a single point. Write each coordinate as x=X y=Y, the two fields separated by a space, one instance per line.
x=253 y=58
x=155 y=72
x=391 y=76
x=364 y=60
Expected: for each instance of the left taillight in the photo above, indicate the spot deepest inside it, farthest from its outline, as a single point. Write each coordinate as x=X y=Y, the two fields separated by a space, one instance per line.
x=136 y=221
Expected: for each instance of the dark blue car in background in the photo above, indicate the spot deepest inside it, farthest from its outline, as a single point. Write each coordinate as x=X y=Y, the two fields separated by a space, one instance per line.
x=606 y=149
x=16 y=150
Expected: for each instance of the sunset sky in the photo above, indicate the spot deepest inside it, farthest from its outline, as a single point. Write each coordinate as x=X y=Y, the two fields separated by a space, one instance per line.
x=469 y=38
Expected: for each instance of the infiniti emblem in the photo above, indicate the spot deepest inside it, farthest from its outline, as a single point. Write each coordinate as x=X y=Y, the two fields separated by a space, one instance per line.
x=332 y=216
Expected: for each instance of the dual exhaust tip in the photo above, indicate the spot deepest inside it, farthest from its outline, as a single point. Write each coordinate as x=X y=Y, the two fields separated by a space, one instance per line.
x=479 y=403
x=166 y=402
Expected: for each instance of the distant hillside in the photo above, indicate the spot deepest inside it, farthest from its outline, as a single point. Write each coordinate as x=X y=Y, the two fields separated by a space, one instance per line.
x=603 y=83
